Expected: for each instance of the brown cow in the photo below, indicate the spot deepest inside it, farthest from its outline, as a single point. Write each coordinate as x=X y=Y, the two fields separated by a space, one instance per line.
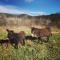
x=22 y=37
x=41 y=33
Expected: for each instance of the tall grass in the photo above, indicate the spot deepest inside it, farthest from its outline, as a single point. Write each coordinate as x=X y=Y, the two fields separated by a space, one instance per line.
x=32 y=50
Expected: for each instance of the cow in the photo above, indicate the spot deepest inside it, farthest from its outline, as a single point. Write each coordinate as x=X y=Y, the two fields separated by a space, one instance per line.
x=22 y=37
x=4 y=42
x=29 y=37
x=16 y=38
x=41 y=33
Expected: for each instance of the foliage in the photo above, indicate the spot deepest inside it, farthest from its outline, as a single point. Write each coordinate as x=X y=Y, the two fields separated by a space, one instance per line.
x=35 y=51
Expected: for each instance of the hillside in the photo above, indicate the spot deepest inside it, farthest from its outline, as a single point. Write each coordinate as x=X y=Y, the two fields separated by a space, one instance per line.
x=27 y=20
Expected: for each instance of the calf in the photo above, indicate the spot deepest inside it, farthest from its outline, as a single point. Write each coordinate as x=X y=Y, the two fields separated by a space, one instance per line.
x=4 y=42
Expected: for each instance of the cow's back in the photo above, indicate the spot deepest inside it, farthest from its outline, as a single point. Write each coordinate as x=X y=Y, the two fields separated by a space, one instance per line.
x=42 y=32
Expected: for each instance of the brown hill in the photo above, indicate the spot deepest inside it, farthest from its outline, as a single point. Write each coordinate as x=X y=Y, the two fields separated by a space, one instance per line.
x=27 y=20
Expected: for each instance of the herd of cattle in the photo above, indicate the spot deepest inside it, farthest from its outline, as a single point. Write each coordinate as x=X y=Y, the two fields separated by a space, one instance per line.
x=19 y=38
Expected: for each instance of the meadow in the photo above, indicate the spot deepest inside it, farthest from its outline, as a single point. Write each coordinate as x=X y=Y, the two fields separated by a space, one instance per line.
x=32 y=50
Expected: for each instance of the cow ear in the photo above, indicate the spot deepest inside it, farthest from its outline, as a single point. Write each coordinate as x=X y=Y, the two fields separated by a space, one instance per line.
x=7 y=30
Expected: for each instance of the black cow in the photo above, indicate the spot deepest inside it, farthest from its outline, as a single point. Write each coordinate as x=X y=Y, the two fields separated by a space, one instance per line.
x=29 y=37
x=16 y=38
x=4 y=41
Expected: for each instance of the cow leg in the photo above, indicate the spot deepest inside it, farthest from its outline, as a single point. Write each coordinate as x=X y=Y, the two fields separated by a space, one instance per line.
x=23 y=42
x=11 y=43
x=39 y=40
x=6 y=45
x=16 y=46
x=47 y=39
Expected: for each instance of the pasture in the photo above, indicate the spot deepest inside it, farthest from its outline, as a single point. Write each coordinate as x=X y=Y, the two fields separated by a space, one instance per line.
x=32 y=50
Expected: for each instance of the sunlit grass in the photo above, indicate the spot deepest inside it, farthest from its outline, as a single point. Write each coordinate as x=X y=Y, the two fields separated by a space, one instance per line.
x=32 y=50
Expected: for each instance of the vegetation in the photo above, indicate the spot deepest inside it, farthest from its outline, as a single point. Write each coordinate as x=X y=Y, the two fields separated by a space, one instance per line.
x=32 y=50
x=27 y=20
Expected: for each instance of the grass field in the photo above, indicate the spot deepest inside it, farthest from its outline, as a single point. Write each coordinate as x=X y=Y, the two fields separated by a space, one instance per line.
x=32 y=50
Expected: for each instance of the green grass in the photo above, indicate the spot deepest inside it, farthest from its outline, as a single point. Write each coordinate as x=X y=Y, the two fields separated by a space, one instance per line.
x=34 y=51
